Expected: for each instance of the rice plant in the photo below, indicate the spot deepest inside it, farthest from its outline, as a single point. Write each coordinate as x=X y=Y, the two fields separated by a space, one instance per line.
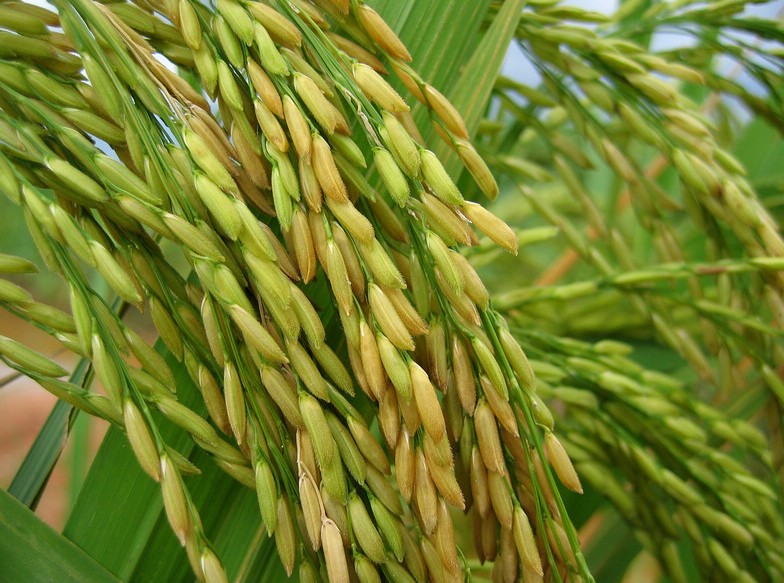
x=419 y=317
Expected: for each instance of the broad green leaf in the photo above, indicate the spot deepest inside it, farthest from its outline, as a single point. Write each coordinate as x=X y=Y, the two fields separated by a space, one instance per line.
x=31 y=478
x=119 y=520
x=30 y=551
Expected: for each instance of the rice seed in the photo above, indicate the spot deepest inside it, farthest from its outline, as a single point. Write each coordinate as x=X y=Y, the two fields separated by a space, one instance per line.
x=204 y=60
x=256 y=335
x=338 y=278
x=141 y=440
x=490 y=366
x=307 y=371
x=303 y=246
x=107 y=371
x=427 y=402
x=228 y=41
x=316 y=423
x=464 y=377
x=269 y=277
x=280 y=28
x=388 y=319
x=425 y=495
x=334 y=555
x=377 y=89
x=318 y=105
x=77 y=180
x=444 y=220
x=437 y=452
x=359 y=372
x=14 y=294
x=237 y=18
x=298 y=127
x=395 y=366
x=371 y=360
x=381 y=33
x=67 y=231
x=271 y=59
x=220 y=206
x=311 y=509
x=309 y=185
x=189 y=24
x=286 y=535
x=283 y=394
x=9 y=185
x=405 y=465
x=350 y=323
x=115 y=274
x=446 y=483
x=461 y=304
x=353 y=267
x=389 y=526
x=488 y=438
x=351 y=219
x=526 y=542
x=443 y=260
x=446 y=111
x=365 y=530
x=506 y=565
x=381 y=486
x=439 y=181
x=445 y=540
x=349 y=449
x=267 y=495
x=307 y=572
x=473 y=285
x=389 y=417
x=478 y=169
x=326 y=171
x=270 y=126
x=333 y=477
x=52 y=317
x=365 y=570
x=265 y=88
x=174 y=501
x=500 y=499
x=433 y=561
x=28 y=359
x=211 y=567
x=393 y=177
x=235 y=402
x=501 y=408
x=479 y=485
x=559 y=459
x=370 y=448
x=493 y=227
x=206 y=159
x=381 y=265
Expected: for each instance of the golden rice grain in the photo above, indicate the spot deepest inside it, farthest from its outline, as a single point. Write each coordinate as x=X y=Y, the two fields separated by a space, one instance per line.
x=141 y=440
x=560 y=462
x=286 y=535
x=388 y=319
x=488 y=438
x=334 y=555
x=427 y=402
x=425 y=495
x=405 y=464
x=311 y=509
x=381 y=33
x=267 y=495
